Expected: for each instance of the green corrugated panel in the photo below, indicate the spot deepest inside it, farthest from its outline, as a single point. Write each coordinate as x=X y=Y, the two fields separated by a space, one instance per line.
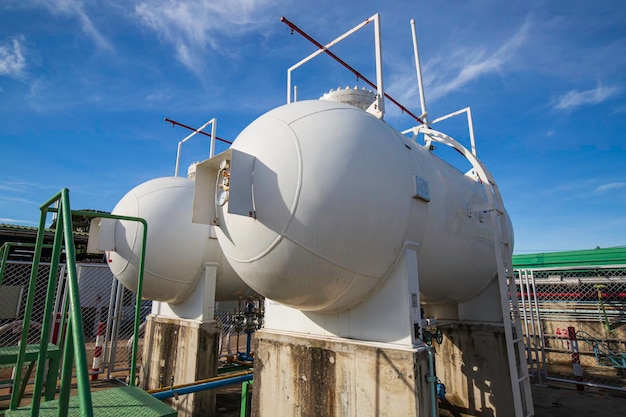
x=115 y=402
x=600 y=256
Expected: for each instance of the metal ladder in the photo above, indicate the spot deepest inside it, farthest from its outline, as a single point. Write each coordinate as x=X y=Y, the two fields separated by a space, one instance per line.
x=515 y=348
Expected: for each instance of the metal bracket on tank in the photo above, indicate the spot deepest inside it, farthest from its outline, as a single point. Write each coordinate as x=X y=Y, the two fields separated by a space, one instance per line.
x=422 y=189
x=480 y=210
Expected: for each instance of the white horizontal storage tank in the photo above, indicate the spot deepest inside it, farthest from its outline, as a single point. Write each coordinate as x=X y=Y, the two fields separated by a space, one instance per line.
x=323 y=198
x=176 y=250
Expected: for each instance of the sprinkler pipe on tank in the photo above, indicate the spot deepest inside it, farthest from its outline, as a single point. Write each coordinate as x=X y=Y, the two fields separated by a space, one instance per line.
x=211 y=122
x=175 y=123
x=359 y=76
x=418 y=69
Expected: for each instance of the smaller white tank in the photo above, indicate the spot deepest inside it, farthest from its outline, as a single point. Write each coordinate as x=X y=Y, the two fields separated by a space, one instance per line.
x=176 y=250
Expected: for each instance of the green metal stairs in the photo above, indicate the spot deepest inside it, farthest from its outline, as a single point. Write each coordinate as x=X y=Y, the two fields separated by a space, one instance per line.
x=121 y=401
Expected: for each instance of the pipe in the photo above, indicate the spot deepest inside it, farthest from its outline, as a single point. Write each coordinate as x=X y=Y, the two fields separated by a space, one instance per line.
x=201 y=387
x=175 y=123
x=201 y=381
x=295 y=28
x=418 y=69
x=432 y=380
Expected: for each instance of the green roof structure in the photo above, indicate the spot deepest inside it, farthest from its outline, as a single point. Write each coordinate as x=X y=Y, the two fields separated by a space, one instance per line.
x=590 y=257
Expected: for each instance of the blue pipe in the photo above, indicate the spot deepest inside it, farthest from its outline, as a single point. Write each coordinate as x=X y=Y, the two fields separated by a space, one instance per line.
x=201 y=387
x=432 y=381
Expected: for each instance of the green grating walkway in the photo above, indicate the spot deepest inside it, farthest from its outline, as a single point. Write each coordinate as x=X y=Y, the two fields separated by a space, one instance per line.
x=115 y=402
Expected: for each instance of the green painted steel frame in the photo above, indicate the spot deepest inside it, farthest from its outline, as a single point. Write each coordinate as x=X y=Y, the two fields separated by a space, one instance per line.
x=246 y=399
x=74 y=337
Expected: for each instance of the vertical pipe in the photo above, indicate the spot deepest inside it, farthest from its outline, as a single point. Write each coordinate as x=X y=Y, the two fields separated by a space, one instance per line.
x=212 y=147
x=116 y=323
x=56 y=311
x=526 y=312
x=538 y=320
x=289 y=86
x=418 y=69
x=432 y=380
x=470 y=123
x=107 y=338
x=379 y=66
x=180 y=144
x=142 y=263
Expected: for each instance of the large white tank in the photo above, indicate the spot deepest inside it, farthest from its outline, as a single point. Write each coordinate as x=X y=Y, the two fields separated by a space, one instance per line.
x=176 y=249
x=333 y=190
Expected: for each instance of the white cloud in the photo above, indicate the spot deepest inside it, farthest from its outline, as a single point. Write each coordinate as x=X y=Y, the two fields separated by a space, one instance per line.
x=576 y=98
x=76 y=9
x=473 y=64
x=14 y=221
x=194 y=26
x=610 y=186
x=12 y=60
x=458 y=67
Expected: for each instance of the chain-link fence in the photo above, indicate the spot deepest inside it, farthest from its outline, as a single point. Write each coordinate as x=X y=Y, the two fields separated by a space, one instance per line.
x=239 y=321
x=575 y=324
x=107 y=310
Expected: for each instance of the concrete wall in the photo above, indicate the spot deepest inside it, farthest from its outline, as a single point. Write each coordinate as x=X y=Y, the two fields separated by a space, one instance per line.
x=473 y=365
x=187 y=350
x=303 y=376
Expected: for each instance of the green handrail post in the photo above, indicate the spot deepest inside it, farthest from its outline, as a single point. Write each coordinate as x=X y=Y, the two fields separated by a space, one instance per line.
x=76 y=319
x=15 y=398
x=5 y=249
x=46 y=323
x=138 y=297
x=66 y=371
x=73 y=331
x=4 y=254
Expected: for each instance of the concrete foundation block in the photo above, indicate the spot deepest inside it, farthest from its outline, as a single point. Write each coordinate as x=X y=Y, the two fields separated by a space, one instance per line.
x=472 y=363
x=303 y=375
x=186 y=350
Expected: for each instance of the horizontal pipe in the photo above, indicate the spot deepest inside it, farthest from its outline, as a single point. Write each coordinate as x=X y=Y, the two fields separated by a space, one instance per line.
x=174 y=122
x=202 y=381
x=293 y=27
x=589 y=384
x=201 y=387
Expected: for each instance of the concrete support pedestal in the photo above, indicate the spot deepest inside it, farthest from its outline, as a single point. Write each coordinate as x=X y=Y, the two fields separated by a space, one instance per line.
x=305 y=375
x=186 y=350
x=472 y=363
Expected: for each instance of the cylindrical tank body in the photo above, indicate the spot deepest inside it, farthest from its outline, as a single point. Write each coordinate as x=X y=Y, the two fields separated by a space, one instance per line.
x=334 y=194
x=176 y=250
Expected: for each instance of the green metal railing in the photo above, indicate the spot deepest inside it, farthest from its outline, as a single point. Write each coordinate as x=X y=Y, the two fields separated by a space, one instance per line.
x=5 y=250
x=74 y=345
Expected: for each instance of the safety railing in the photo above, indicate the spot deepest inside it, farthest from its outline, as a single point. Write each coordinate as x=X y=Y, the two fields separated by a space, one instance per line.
x=74 y=352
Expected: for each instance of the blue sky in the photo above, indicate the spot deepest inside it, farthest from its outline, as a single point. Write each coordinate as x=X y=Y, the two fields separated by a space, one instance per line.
x=85 y=85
